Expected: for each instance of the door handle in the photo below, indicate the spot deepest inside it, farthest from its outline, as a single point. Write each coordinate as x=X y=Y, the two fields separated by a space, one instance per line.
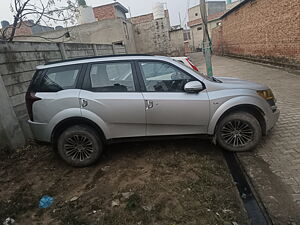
x=149 y=104
x=84 y=103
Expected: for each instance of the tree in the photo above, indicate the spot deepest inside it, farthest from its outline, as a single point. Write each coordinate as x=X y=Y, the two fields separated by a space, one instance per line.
x=38 y=12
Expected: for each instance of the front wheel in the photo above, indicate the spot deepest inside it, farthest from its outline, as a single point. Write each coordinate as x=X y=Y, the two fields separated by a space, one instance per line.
x=239 y=131
x=79 y=146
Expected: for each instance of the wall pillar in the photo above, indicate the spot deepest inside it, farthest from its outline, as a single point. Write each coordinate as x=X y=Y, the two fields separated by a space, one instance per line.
x=113 y=48
x=95 y=50
x=11 y=129
x=62 y=50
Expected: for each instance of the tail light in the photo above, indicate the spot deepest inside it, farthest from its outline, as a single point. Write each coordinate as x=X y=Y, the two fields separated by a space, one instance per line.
x=30 y=99
x=192 y=65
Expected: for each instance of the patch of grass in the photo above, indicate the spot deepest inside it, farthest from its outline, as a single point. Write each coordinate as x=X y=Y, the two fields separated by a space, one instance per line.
x=134 y=202
x=22 y=201
x=67 y=215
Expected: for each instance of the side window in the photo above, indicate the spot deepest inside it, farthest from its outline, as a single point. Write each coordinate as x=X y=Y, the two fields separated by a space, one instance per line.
x=59 y=78
x=112 y=77
x=163 y=77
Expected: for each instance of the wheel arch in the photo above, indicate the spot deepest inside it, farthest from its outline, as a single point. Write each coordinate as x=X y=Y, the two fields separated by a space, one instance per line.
x=254 y=110
x=66 y=123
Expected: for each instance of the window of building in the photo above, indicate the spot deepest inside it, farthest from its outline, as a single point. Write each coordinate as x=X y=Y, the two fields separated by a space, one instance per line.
x=199 y=28
x=196 y=14
x=112 y=77
x=126 y=30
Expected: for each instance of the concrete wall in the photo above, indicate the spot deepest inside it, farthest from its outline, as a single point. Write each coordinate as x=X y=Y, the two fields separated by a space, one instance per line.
x=101 y=32
x=18 y=61
x=211 y=8
x=262 y=30
x=153 y=37
x=177 y=43
x=197 y=35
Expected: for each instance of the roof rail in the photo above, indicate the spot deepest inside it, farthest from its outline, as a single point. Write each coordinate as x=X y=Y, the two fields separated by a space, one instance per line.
x=94 y=57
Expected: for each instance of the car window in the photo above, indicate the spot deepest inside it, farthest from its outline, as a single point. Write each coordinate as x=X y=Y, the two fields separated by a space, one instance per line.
x=112 y=77
x=59 y=78
x=163 y=77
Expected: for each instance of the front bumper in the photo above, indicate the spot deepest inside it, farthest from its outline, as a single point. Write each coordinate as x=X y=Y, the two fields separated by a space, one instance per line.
x=40 y=131
x=272 y=119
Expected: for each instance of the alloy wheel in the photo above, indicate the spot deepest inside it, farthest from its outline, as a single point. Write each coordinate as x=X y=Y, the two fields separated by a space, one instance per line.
x=78 y=147
x=237 y=133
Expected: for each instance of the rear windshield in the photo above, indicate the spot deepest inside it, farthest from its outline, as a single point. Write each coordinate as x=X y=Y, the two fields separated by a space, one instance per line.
x=56 y=79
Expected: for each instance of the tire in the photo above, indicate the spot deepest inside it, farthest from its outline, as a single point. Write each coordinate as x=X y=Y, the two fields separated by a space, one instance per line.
x=79 y=146
x=239 y=132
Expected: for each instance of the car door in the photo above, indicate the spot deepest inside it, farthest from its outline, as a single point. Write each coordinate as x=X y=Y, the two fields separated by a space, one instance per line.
x=169 y=109
x=111 y=95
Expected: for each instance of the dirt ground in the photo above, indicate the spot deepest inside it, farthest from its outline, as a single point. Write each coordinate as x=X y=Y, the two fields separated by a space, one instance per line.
x=169 y=182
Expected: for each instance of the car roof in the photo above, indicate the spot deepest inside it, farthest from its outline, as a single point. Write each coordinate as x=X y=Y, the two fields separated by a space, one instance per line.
x=77 y=61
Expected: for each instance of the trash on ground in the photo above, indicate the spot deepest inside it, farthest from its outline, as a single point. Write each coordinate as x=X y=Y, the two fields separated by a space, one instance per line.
x=74 y=199
x=227 y=211
x=115 y=203
x=46 y=201
x=126 y=195
x=147 y=208
x=8 y=221
x=105 y=168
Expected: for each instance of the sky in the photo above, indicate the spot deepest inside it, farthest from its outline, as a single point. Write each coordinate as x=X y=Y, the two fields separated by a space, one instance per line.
x=137 y=7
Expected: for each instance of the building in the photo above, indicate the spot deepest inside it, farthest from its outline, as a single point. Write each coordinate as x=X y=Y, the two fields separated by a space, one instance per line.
x=26 y=28
x=147 y=34
x=152 y=35
x=231 y=4
x=110 y=11
x=111 y=27
x=215 y=10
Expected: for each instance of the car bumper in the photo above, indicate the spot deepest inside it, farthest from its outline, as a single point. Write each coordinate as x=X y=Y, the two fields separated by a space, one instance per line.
x=40 y=131
x=272 y=119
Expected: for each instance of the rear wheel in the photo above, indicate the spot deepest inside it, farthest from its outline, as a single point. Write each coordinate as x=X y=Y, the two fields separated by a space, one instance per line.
x=239 y=131
x=79 y=146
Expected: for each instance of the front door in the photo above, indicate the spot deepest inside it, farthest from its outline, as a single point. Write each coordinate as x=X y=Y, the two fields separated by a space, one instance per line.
x=170 y=110
x=111 y=96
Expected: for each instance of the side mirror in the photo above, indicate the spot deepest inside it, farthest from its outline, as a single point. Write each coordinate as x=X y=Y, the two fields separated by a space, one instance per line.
x=193 y=87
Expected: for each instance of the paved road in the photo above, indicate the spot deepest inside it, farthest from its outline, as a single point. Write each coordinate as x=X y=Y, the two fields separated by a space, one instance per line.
x=274 y=167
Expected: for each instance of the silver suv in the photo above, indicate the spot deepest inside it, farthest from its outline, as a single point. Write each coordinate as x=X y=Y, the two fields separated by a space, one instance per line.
x=82 y=104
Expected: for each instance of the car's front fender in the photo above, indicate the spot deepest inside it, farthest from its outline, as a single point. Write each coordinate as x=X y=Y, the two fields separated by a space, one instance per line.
x=249 y=101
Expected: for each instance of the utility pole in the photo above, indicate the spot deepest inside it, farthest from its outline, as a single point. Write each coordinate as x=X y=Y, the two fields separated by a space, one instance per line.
x=179 y=19
x=206 y=45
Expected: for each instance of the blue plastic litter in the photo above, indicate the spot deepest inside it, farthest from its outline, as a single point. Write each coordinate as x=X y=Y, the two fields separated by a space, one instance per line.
x=46 y=201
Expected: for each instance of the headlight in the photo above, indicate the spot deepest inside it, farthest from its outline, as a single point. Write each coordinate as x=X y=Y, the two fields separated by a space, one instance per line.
x=266 y=94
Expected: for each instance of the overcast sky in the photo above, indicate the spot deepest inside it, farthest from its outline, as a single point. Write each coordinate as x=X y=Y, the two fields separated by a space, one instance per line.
x=137 y=7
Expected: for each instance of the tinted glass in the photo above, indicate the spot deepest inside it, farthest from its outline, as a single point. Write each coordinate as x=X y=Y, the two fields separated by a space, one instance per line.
x=163 y=77
x=60 y=78
x=112 y=77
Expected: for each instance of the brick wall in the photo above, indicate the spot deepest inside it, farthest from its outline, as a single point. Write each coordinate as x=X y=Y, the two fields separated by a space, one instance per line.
x=217 y=40
x=105 y=12
x=142 y=19
x=266 y=30
x=23 y=30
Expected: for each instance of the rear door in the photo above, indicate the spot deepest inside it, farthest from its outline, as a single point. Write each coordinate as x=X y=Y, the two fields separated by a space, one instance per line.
x=111 y=94
x=169 y=109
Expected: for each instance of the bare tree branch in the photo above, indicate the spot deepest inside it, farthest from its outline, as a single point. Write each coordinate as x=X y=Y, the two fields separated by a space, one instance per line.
x=39 y=12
